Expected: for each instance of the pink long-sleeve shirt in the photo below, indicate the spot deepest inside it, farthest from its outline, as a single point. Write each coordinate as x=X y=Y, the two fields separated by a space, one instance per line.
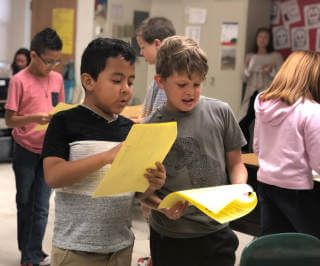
x=287 y=142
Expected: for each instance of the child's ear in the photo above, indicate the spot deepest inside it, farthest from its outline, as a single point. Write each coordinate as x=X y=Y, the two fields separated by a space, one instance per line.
x=159 y=80
x=157 y=43
x=33 y=54
x=87 y=81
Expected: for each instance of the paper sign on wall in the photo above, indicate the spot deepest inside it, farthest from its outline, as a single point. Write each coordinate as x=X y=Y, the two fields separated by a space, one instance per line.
x=197 y=15
x=62 y=22
x=193 y=32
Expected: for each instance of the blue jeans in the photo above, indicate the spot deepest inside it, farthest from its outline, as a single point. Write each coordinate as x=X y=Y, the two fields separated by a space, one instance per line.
x=32 y=201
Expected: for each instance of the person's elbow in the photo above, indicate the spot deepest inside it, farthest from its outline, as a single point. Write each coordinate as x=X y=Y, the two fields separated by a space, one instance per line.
x=51 y=173
x=9 y=122
x=50 y=180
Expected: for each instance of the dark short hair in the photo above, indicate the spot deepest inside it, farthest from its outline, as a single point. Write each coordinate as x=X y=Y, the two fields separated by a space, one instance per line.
x=95 y=56
x=23 y=51
x=269 y=47
x=46 y=39
x=155 y=28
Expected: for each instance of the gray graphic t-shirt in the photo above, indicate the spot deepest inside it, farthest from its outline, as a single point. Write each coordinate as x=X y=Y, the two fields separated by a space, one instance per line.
x=197 y=159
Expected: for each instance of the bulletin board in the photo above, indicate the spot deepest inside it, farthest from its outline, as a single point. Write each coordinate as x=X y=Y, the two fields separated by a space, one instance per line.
x=295 y=25
x=62 y=20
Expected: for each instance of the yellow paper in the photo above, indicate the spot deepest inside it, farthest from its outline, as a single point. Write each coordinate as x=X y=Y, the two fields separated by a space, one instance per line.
x=59 y=107
x=62 y=22
x=221 y=203
x=145 y=145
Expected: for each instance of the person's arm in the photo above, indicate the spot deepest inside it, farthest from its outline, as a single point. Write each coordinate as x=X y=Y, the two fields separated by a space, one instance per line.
x=237 y=171
x=14 y=120
x=311 y=136
x=60 y=173
x=61 y=97
x=255 y=145
x=247 y=69
x=13 y=103
x=156 y=178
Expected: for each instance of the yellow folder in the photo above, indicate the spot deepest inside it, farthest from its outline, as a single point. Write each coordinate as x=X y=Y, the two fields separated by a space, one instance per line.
x=144 y=145
x=59 y=107
x=221 y=203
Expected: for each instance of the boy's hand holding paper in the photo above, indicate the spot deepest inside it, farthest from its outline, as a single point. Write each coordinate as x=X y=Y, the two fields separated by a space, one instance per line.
x=145 y=145
x=156 y=177
x=176 y=211
x=59 y=107
x=221 y=203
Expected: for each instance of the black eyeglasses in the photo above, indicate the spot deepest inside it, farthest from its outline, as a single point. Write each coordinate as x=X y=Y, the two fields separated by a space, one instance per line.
x=48 y=63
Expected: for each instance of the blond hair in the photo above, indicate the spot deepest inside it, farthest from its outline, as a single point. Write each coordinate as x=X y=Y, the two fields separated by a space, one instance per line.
x=181 y=54
x=298 y=77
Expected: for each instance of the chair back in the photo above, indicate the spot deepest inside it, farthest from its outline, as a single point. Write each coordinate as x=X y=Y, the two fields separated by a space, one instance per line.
x=284 y=249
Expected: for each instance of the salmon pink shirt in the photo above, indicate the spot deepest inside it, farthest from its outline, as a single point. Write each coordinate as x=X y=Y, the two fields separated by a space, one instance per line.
x=30 y=94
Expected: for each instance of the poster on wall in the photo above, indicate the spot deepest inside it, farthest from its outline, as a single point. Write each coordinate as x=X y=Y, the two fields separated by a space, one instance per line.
x=275 y=13
x=62 y=23
x=116 y=11
x=228 y=42
x=196 y=15
x=300 y=38
x=318 y=41
x=281 y=37
x=100 y=8
x=303 y=34
x=312 y=16
x=290 y=11
x=193 y=32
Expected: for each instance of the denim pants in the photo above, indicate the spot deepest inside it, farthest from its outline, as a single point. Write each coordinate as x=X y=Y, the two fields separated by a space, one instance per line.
x=32 y=200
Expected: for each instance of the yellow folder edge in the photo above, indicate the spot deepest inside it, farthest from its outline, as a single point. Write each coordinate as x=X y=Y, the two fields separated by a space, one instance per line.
x=112 y=185
x=59 y=107
x=223 y=216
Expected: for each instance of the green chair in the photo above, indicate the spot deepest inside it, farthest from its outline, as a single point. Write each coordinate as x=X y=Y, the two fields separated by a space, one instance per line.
x=284 y=249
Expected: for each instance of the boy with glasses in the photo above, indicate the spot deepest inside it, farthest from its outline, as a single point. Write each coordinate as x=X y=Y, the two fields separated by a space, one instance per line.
x=32 y=94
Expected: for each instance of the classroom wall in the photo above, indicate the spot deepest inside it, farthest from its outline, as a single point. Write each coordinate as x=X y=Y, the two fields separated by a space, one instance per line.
x=84 y=34
x=15 y=28
x=5 y=17
x=258 y=16
x=224 y=85
x=125 y=16
x=15 y=25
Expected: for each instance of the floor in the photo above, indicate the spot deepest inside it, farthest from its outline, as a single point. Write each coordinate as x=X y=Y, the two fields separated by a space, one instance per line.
x=9 y=255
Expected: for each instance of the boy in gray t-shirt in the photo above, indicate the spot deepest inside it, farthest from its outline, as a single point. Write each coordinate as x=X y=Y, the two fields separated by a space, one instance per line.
x=207 y=152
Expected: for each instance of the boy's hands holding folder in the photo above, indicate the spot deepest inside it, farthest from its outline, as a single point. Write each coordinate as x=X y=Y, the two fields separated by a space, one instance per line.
x=175 y=212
